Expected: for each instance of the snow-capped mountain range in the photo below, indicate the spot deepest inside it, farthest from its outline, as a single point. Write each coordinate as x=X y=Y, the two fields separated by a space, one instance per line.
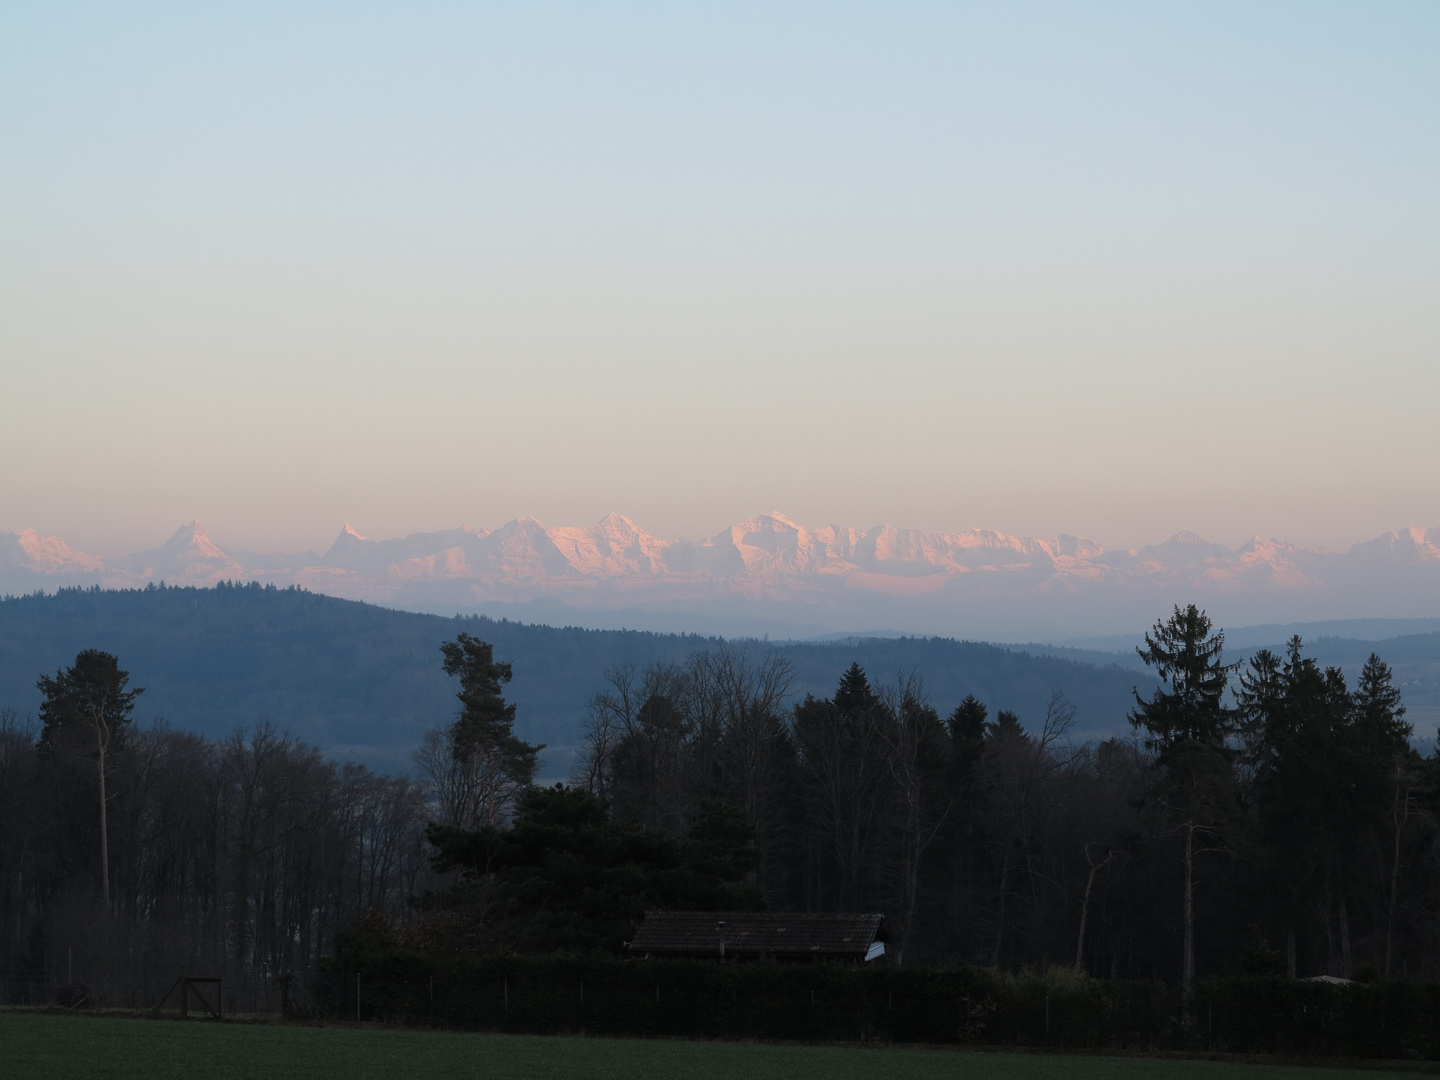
x=832 y=578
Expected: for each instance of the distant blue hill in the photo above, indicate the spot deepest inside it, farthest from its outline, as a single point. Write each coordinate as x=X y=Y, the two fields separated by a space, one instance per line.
x=1268 y=635
x=1410 y=646
x=363 y=682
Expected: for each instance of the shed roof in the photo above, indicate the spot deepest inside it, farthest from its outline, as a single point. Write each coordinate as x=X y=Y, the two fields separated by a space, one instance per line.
x=750 y=933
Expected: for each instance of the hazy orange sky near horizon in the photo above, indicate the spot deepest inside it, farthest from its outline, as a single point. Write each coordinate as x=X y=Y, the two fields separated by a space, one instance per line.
x=1113 y=271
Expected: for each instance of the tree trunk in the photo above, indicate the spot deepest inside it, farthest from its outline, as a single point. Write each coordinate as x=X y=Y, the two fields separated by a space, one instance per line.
x=1084 y=914
x=1347 y=964
x=1000 y=918
x=1400 y=810
x=912 y=890
x=1187 y=975
x=1095 y=868
x=1290 y=949
x=104 y=837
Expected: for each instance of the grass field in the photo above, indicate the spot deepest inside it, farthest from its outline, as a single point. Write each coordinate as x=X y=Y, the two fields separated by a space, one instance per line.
x=39 y=1047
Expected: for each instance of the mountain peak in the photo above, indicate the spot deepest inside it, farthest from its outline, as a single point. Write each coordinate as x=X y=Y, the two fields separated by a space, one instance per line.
x=188 y=555
x=186 y=533
x=193 y=539
x=29 y=550
x=907 y=575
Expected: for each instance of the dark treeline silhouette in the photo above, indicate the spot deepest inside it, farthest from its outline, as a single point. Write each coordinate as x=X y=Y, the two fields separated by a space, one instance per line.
x=1270 y=819
x=361 y=681
x=242 y=856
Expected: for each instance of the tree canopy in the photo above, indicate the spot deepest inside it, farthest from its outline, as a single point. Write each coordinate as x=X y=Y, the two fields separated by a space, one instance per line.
x=566 y=876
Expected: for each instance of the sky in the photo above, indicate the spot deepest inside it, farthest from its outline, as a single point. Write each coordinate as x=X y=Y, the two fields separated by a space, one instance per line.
x=1111 y=269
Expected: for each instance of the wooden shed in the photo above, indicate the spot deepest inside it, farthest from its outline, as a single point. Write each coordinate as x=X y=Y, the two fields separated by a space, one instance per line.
x=749 y=934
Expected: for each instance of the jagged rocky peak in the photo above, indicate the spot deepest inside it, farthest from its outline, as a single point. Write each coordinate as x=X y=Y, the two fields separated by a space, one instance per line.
x=27 y=549
x=613 y=524
x=348 y=545
x=1077 y=547
x=194 y=539
x=1402 y=545
x=767 y=559
x=188 y=556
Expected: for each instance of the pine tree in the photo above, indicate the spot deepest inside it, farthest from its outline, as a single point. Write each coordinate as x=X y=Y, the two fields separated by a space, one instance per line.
x=1186 y=655
x=86 y=710
x=854 y=695
x=966 y=727
x=499 y=766
x=1189 y=725
x=1377 y=706
x=1385 y=770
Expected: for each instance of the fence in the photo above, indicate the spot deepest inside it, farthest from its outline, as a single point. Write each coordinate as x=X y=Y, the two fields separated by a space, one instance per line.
x=235 y=999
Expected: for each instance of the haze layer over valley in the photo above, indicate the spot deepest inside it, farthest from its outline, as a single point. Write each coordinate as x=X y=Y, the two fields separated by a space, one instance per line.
x=769 y=574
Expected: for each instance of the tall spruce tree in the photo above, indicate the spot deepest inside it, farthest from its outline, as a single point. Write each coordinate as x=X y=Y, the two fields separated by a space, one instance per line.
x=846 y=786
x=1189 y=725
x=1329 y=768
x=966 y=728
x=86 y=711
x=1185 y=652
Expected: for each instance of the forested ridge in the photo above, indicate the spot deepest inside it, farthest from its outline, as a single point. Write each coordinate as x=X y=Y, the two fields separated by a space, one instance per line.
x=361 y=681
x=1268 y=817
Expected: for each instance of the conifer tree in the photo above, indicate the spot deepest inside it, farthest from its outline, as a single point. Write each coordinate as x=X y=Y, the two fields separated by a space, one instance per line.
x=1189 y=725
x=1186 y=655
x=86 y=710
x=966 y=727
x=498 y=765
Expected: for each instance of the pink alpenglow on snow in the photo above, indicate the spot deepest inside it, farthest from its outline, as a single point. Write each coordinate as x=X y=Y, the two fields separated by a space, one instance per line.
x=834 y=577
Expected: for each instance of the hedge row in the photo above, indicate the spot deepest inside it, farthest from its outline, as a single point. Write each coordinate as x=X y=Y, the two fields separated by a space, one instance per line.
x=851 y=1002
x=810 y=1002
x=1277 y=1015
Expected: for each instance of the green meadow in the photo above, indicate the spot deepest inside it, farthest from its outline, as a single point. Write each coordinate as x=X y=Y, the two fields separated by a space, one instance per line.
x=44 y=1046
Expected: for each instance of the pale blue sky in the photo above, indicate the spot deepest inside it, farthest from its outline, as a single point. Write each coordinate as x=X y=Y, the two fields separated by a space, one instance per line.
x=1111 y=269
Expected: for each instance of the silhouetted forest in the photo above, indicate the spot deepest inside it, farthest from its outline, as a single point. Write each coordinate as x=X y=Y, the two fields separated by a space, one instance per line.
x=1288 y=805
x=361 y=681
x=1265 y=817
